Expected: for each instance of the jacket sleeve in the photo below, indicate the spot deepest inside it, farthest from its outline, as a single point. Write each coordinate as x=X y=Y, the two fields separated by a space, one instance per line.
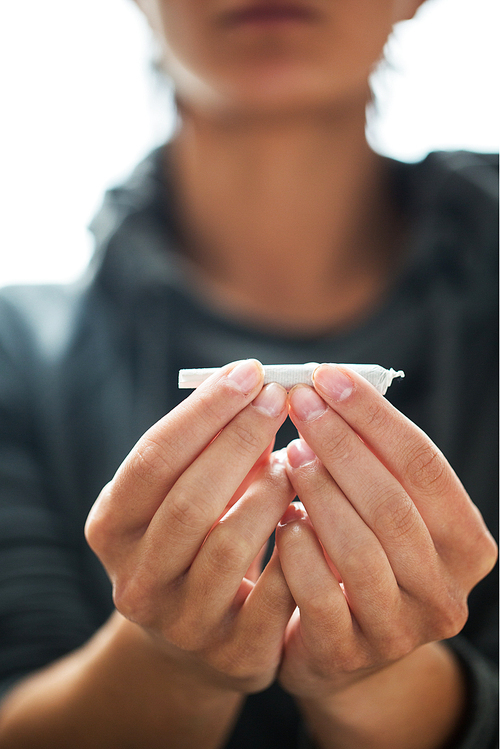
x=44 y=610
x=479 y=729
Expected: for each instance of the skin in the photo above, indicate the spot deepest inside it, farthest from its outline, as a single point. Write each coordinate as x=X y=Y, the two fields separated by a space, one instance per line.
x=405 y=540
x=367 y=578
x=271 y=157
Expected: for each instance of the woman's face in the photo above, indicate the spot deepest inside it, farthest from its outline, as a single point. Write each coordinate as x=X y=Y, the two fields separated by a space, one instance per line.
x=272 y=55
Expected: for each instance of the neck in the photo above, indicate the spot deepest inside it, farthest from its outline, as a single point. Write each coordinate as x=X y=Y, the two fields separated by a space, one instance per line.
x=287 y=219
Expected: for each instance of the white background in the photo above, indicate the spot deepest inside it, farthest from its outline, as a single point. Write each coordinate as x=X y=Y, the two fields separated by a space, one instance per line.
x=80 y=107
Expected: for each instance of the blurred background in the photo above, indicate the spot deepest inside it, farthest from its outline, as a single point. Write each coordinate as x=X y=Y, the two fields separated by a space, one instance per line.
x=81 y=106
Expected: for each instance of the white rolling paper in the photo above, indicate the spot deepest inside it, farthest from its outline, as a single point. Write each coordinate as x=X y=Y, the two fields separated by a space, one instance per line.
x=289 y=375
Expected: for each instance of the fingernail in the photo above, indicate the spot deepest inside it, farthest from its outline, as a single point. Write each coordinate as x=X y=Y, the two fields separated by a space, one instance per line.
x=279 y=457
x=306 y=403
x=271 y=400
x=246 y=375
x=299 y=454
x=333 y=382
x=294 y=511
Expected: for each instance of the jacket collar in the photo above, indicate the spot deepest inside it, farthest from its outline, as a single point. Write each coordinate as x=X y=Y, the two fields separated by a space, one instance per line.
x=449 y=199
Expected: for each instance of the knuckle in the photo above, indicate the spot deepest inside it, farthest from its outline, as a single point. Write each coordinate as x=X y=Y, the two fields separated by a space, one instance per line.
x=457 y=619
x=272 y=483
x=375 y=416
x=186 y=515
x=477 y=551
x=339 y=445
x=444 y=610
x=123 y=601
x=451 y=610
x=351 y=658
x=330 y=643
x=212 y=411
x=361 y=557
x=394 y=515
x=451 y=618
x=166 y=609
x=217 y=407
x=397 y=644
x=94 y=532
x=227 y=555
x=314 y=482
x=489 y=555
x=427 y=469
x=148 y=459
x=483 y=552
x=477 y=558
x=101 y=523
x=245 y=440
x=319 y=609
x=276 y=597
x=132 y=596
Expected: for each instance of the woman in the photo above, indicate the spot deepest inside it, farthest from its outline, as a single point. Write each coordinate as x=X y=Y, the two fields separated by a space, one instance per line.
x=266 y=228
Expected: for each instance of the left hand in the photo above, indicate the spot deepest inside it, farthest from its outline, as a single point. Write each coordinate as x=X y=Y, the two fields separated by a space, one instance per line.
x=389 y=546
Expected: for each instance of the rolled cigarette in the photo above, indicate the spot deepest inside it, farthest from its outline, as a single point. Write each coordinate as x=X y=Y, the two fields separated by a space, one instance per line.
x=289 y=375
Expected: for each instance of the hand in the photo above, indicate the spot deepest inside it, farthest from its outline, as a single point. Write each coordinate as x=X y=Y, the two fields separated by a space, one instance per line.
x=389 y=545
x=185 y=518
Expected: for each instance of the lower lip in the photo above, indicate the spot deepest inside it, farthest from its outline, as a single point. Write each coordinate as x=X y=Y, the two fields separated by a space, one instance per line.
x=269 y=17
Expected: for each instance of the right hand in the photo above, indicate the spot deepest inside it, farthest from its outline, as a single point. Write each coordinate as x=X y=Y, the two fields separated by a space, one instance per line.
x=181 y=525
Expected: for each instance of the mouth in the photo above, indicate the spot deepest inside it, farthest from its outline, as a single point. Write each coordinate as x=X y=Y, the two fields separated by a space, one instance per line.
x=269 y=14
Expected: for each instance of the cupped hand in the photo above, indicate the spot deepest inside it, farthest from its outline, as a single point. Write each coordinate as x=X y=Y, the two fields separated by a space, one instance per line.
x=388 y=547
x=181 y=524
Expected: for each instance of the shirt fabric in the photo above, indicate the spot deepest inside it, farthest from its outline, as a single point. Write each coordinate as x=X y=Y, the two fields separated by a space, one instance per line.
x=86 y=368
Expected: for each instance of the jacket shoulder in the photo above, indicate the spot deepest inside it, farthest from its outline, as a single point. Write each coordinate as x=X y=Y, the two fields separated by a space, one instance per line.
x=36 y=322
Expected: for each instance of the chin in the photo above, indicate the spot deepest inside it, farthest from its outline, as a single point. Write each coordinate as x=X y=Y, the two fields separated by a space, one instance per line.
x=274 y=92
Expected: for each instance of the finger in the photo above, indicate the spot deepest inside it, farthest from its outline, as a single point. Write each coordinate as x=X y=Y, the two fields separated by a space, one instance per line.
x=267 y=609
x=455 y=523
x=215 y=576
x=409 y=454
x=366 y=571
x=252 y=639
x=324 y=612
x=249 y=478
x=373 y=492
x=255 y=569
x=201 y=494
x=256 y=566
x=341 y=444
x=141 y=483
